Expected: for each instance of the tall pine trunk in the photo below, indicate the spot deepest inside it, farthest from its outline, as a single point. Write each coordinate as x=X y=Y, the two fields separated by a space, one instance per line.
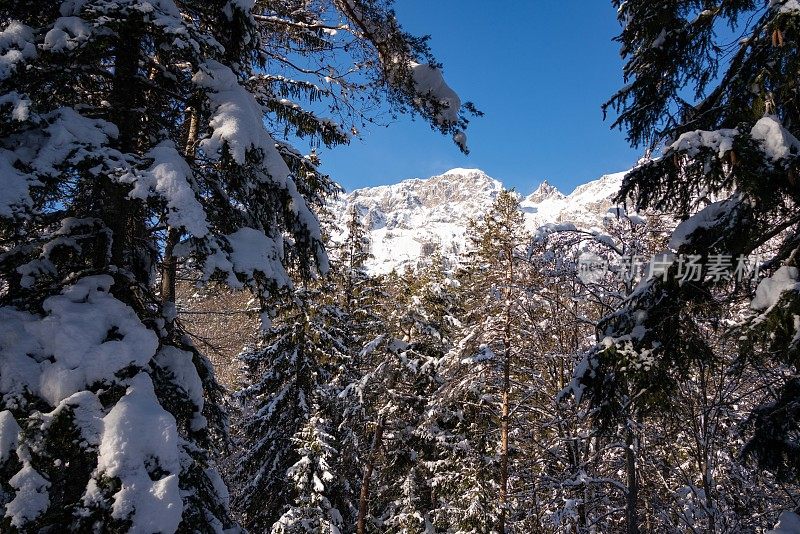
x=123 y=98
x=169 y=271
x=505 y=410
x=504 y=416
x=632 y=494
x=705 y=452
x=363 y=499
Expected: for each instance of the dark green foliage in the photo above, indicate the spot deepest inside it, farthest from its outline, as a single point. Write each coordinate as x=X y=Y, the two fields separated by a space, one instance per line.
x=139 y=135
x=736 y=144
x=290 y=383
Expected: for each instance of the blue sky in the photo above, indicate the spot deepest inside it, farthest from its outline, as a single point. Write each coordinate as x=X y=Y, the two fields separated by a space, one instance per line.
x=539 y=70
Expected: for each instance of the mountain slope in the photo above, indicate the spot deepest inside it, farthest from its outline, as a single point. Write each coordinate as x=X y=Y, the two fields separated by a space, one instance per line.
x=411 y=220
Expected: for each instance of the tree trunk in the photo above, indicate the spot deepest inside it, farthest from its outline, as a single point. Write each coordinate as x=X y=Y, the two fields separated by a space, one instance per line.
x=632 y=496
x=505 y=408
x=363 y=499
x=169 y=270
x=504 y=416
x=705 y=449
x=124 y=101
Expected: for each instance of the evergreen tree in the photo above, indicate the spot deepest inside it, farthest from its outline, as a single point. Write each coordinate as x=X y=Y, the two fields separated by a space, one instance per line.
x=313 y=510
x=728 y=165
x=361 y=295
x=287 y=423
x=393 y=395
x=136 y=135
x=421 y=309
x=355 y=254
x=391 y=382
x=475 y=404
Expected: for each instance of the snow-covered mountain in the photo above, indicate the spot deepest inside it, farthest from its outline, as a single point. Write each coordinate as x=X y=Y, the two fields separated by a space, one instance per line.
x=411 y=220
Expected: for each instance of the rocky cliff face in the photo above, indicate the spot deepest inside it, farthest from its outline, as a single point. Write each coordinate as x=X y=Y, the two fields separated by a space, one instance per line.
x=413 y=219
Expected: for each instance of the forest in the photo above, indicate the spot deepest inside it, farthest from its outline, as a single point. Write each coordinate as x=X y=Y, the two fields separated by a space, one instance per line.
x=192 y=339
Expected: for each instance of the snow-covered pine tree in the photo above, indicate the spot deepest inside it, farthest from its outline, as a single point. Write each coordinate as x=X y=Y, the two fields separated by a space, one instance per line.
x=289 y=415
x=396 y=392
x=313 y=509
x=109 y=403
x=728 y=164
x=590 y=480
x=135 y=131
x=392 y=395
x=427 y=307
x=361 y=295
x=472 y=411
x=682 y=470
x=355 y=252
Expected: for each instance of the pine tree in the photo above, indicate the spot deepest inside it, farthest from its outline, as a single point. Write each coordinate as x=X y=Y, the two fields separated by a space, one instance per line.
x=592 y=472
x=478 y=374
x=355 y=254
x=392 y=394
x=728 y=165
x=313 y=510
x=361 y=294
x=390 y=382
x=99 y=158
x=137 y=135
x=288 y=424
x=420 y=309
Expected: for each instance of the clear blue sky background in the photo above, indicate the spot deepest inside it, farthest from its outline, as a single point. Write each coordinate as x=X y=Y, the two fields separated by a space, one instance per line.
x=539 y=70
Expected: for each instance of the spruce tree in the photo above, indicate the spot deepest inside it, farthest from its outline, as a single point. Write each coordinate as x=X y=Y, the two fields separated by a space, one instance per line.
x=472 y=411
x=727 y=164
x=361 y=295
x=286 y=407
x=314 y=508
x=403 y=379
x=137 y=135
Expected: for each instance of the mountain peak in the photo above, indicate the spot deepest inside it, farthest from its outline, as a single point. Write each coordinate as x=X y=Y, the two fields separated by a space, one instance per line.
x=410 y=220
x=544 y=192
x=454 y=186
x=458 y=171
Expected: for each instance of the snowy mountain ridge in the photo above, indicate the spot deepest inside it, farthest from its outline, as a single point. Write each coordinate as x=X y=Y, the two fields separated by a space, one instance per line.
x=410 y=220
